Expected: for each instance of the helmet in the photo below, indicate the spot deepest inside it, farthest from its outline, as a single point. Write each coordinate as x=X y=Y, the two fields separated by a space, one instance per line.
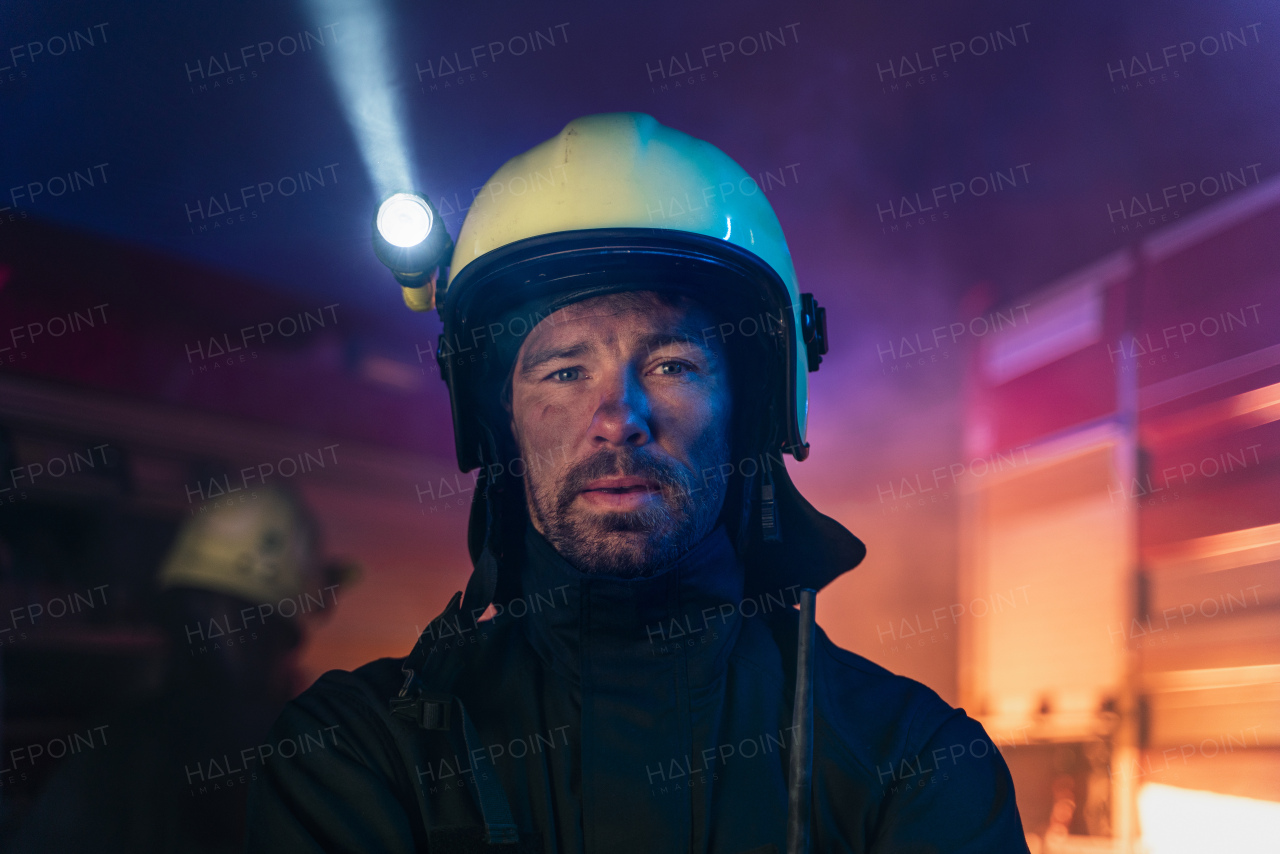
x=614 y=201
x=262 y=550
x=620 y=202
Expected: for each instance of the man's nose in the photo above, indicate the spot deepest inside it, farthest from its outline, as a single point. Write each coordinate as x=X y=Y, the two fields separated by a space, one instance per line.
x=622 y=415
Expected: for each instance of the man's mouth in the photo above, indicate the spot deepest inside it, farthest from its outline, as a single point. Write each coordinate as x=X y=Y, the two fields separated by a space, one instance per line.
x=622 y=493
x=621 y=485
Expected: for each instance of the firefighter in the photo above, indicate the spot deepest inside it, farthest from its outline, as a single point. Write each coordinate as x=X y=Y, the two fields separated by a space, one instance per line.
x=626 y=350
x=237 y=588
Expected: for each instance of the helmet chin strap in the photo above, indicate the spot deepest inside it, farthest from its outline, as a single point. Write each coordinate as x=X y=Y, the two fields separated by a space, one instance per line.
x=770 y=522
x=757 y=486
x=771 y=532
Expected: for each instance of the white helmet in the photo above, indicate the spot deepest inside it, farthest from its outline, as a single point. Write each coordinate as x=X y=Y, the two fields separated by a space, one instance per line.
x=617 y=201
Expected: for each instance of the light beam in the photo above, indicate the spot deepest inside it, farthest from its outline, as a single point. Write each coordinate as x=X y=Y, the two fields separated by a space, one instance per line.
x=360 y=66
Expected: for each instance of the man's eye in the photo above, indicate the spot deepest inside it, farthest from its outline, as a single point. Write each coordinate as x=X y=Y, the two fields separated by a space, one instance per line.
x=565 y=375
x=671 y=368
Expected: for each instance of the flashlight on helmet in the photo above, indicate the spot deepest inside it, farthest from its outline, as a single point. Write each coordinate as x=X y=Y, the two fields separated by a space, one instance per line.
x=409 y=237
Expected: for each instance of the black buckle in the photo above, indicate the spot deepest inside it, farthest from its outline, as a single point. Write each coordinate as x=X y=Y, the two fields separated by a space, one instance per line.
x=429 y=711
x=813 y=330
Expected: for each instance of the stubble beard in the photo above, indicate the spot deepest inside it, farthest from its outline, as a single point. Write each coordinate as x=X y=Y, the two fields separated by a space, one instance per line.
x=632 y=543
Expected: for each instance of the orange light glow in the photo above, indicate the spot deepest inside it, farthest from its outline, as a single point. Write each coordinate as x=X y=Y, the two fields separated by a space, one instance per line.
x=1187 y=821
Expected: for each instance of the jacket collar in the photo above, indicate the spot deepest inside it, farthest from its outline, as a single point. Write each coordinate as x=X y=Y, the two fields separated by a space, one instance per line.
x=595 y=629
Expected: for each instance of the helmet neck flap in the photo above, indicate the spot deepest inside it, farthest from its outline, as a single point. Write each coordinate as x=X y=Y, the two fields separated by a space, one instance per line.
x=491 y=308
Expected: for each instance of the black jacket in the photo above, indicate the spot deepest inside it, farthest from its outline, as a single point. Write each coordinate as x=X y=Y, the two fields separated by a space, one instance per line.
x=159 y=783
x=608 y=715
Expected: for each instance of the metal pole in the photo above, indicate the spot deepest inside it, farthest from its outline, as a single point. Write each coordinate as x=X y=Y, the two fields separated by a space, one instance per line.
x=799 y=790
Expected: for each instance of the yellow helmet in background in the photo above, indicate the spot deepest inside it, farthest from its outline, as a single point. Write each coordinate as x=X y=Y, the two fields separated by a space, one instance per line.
x=263 y=549
x=618 y=201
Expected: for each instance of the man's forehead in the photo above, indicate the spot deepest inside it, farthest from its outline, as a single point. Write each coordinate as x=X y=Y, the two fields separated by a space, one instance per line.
x=634 y=313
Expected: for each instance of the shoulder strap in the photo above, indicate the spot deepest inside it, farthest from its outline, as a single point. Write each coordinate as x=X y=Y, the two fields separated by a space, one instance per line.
x=435 y=711
x=796 y=635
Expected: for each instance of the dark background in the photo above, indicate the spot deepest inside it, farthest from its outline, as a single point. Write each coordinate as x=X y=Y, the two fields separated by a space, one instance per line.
x=821 y=109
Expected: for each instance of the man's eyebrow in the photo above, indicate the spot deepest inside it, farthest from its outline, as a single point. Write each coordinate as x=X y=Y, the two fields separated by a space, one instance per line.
x=532 y=361
x=657 y=340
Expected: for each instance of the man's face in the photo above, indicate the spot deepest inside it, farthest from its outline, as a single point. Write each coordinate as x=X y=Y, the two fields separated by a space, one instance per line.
x=618 y=405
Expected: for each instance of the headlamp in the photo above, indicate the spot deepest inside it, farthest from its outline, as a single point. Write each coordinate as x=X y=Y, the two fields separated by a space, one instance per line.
x=404 y=220
x=409 y=237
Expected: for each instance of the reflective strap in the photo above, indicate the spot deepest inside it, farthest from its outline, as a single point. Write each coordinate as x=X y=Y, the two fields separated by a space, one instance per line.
x=431 y=711
x=799 y=792
x=499 y=826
